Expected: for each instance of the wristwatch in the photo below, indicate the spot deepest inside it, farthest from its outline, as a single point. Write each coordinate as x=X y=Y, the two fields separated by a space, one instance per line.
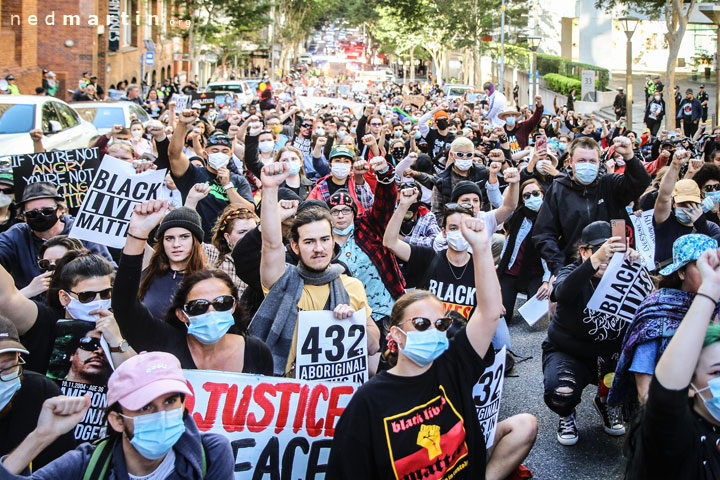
x=122 y=348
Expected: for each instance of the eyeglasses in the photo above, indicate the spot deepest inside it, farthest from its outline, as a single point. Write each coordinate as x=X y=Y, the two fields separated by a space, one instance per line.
x=89 y=296
x=712 y=188
x=222 y=303
x=534 y=193
x=45 y=211
x=464 y=154
x=46 y=265
x=340 y=211
x=421 y=323
x=89 y=344
x=375 y=124
x=11 y=373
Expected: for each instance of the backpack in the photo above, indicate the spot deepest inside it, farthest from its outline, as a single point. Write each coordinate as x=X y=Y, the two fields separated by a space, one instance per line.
x=99 y=465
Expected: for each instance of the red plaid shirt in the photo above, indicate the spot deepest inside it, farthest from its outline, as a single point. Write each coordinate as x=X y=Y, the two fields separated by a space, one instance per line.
x=370 y=228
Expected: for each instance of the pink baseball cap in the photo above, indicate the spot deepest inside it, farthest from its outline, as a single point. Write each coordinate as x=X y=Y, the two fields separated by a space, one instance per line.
x=144 y=377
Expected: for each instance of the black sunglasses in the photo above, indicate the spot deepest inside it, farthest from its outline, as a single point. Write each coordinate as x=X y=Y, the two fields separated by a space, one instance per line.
x=534 y=193
x=89 y=344
x=421 y=323
x=222 y=303
x=7 y=191
x=712 y=188
x=46 y=265
x=45 y=211
x=306 y=125
x=89 y=296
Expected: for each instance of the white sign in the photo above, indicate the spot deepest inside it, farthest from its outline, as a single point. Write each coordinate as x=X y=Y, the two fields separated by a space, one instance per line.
x=534 y=309
x=337 y=104
x=644 y=236
x=331 y=349
x=268 y=419
x=106 y=209
x=487 y=394
x=622 y=289
x=181 y=102
x=588 y=86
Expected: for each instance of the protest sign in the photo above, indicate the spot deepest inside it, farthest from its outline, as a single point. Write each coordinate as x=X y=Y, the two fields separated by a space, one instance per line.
x=108 y=205
x=93 y=425
x=203 y=100
x=623 y=287
x=267 y=419
x=331 y=349
x=487 y=394
x=644 y=236
x=181 y=102
x=71 y=171
x=415 y=100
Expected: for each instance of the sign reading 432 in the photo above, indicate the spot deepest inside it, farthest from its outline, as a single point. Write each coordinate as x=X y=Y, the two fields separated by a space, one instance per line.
x=331 y=349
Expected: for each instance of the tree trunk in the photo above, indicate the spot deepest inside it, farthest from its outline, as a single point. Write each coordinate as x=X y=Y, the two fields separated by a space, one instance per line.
x=673 y=50
x=412 y=63
x=676 y=21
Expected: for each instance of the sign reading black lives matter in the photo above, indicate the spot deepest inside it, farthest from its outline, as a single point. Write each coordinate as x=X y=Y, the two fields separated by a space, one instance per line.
x=331 y=349
x=487 y=394
x=108 y=205
x=623 y=287
x=71 y=171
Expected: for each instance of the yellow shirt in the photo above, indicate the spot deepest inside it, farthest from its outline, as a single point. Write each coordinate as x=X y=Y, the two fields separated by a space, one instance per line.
x=315 y=297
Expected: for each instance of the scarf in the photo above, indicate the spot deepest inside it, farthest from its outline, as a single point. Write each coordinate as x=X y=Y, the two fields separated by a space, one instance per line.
x=657 y=318
x=274 y=322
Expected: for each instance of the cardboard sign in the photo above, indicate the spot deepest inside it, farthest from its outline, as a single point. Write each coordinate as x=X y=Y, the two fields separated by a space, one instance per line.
x=268 y=419
x=203 y=100
x=71 y=171
x=331 y=349
x=415 y=100
x=93 y=424
x=644 y=236
x=182 y=102
x=108 y=205
x=487 y=394
x=622 y=288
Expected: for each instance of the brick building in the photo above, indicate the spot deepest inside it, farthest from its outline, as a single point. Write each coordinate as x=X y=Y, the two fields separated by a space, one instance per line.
x=69 y=37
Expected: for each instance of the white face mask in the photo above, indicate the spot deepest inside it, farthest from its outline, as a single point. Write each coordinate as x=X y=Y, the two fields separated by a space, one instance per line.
x=218 y=160
x=136 y=133
x=320 y=132
x=81 y=311
x=463 y=164
x=340 y=170
x=456 y=241
x=266 y=146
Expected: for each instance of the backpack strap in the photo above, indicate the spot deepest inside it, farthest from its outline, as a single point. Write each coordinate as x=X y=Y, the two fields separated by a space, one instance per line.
x=97 y=468
x=204 y=461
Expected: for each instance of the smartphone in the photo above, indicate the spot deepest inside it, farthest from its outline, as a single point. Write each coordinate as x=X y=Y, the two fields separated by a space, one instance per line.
x=618 y=230
x=541 y=144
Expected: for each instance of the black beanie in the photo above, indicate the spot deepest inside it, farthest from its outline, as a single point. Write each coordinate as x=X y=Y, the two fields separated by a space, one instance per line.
x=182 y=217
x=463 y=187
x=312 y=203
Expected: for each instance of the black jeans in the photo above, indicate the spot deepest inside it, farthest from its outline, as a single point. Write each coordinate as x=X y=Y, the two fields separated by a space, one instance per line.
x=561 y=369
x=654 y=126
x=510 y=286
x=689 y=127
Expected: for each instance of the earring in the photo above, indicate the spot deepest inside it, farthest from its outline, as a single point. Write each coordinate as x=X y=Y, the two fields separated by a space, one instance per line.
x=391 y=343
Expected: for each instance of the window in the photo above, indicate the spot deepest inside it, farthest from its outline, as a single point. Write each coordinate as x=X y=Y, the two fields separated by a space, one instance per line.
x=49 y=113
x=139 y=113
x=103 y=117
x=17 y=118
x=128 y=28
x=68 y=117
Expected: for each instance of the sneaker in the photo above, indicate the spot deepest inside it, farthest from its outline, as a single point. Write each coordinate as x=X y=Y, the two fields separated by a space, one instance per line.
x=612 y=418
x=567 y=432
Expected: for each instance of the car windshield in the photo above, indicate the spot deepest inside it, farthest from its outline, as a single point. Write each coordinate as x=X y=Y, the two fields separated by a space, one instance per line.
x=16 y=117
x=103 y=117
x=225 y=88
x=458 y=92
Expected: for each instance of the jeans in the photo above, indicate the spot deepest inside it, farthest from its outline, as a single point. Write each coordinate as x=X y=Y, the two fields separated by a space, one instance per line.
x=502 y=335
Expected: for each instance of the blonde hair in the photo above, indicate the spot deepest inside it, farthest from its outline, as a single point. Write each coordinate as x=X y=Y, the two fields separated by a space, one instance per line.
x=461 y=142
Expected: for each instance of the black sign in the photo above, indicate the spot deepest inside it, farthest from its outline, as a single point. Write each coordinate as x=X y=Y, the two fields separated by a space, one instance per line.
x=113 y=25
x=203 y=100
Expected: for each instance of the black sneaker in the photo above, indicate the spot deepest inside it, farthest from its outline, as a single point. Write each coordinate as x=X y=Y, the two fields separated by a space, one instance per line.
x=567 y=432
x=611 y=416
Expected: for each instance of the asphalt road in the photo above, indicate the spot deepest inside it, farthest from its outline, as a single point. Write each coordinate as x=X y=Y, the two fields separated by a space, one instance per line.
x=596 y=456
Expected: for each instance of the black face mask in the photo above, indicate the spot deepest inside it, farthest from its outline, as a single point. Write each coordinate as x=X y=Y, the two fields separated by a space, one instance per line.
x=442 y=123
x=42 y=223
x=398 y=153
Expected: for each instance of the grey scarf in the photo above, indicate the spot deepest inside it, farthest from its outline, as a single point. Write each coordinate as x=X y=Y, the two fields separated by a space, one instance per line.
x=274 y=322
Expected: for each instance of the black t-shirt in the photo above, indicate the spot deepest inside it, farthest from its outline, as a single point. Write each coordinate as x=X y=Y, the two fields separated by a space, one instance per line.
x=39 y=340
x=674 y=441
x=334 y=187
x=454 y=286
x=415 y=427
x=437 y=143
x=665 y=235
x=21 y=415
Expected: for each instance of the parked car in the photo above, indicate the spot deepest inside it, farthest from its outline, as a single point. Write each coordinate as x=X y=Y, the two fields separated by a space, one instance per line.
x=456 y=90
x=63 y=128
x=106 y=114
x=239 y=87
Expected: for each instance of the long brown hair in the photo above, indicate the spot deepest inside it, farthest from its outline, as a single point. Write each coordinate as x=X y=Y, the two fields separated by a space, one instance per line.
x=398 y=312
x=224 y=224
x=160 y=264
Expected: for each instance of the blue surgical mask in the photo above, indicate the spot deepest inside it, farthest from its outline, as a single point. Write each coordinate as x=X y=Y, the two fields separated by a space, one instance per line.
x=209 y=327
x=345 y=231
x=712 y=405
x=7 y=390
x=155 y=434
x=682 y=216
x=397 y=133
x=424 y=347
x=586 y=172
x=353 y=130
x=510 y=122
x=562 y=147
x=534 y=203
x=294 y=167
x=418 y=135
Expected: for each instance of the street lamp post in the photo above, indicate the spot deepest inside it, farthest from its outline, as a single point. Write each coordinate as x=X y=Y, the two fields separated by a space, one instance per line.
x=629 y=24
x=533 y=44
x=713 y=13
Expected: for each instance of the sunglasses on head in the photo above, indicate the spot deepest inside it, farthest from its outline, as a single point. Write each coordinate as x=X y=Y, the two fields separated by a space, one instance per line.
x=712 y=188
x=46 y=265
x=464 y=154
x=222 y=303
x=534 y=193
x=458 y=206
x=45 y=211
x=89 y=344
x=421 y=323
x=89 y=295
